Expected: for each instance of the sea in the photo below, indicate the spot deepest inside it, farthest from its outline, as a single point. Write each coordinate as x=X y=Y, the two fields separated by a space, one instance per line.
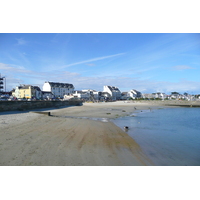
x=168 y=136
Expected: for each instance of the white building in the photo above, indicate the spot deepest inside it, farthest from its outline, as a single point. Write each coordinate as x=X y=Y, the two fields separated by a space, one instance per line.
x=134 y=94
x=58 y=89
x=91 y=95
x=159 y=95
x=94 y=95
x=113 y=91
x=82 y=95
x=17 y=92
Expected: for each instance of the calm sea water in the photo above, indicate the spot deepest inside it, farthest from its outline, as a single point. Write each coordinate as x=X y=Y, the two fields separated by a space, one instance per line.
x=168 y=136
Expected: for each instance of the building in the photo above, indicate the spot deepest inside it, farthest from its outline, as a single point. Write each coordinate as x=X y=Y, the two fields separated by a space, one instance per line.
x=82 y=94
x=113 y=91
x=159 y=95
x=58 y=89
x=93 y=94
x=38 y=93
x=47 y=95
x=105 y=96
x=28 y=92
x=134 y=94
x=124 y=96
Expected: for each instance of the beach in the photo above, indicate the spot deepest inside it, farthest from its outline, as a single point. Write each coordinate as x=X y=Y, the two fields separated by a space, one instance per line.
x=71 y=136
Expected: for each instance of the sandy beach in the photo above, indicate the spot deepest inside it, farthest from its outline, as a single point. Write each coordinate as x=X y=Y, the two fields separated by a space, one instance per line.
x=70 y=137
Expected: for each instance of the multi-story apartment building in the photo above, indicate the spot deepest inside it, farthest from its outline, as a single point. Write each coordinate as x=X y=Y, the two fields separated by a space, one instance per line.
x=58 y=89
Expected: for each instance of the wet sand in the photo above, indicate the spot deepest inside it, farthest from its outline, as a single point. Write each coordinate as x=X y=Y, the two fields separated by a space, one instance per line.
x=41 y=140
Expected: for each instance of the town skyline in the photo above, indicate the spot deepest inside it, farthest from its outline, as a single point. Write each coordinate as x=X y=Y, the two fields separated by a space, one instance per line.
x=146 y=62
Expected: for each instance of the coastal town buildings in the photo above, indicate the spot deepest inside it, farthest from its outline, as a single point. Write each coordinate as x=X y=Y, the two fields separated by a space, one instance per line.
x=27 y=91
x=82 y=94
x=93 y=94
x=159 y=95
x=105 y=96
x=114 y=92
x=134 y=94
x=58 y=89
x=89 y=94
x=38 y=92
x=47 y=95
x=124 y=96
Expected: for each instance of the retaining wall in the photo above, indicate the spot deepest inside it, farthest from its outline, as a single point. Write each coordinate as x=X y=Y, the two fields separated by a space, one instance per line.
x=29 y=105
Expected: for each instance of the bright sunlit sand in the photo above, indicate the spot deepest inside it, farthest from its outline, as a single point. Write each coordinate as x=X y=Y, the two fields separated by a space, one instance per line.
x=34 y=139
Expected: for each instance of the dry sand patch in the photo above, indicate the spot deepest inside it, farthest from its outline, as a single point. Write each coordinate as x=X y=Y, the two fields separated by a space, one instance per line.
x=56 y=141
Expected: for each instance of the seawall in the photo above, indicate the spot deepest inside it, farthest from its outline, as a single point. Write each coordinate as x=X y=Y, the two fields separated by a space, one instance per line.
x=172 y=103
x=29 y=105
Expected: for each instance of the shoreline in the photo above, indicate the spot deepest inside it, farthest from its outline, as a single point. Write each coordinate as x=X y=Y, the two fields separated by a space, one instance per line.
x=39 y=140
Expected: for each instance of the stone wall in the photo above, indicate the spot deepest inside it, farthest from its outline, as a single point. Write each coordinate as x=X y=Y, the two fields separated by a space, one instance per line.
x=29 y=105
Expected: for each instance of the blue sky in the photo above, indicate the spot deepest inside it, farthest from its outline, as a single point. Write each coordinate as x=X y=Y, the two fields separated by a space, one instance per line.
x=148 y=62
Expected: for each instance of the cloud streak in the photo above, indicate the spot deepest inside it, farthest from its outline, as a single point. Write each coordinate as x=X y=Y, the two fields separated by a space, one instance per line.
x=90 y=64
x=21 y=41
x=181 y=67
x=93 y=59
x=125 y=83
x=13 y=68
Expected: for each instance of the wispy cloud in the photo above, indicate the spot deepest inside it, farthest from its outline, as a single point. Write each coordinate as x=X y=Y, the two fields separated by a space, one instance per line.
x=125 y=83
x=13 y=68
x=21 y=41
x=181 y=67
x=90 y=64
x=93 y=59
x=18 y=74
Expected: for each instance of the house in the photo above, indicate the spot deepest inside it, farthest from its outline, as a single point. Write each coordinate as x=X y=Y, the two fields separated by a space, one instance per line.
x=82 y=94
x=105 y=96
x=96 y=95
x=93 y=94
x=58 y=89
x=124 y=96
x=113 y=91
x=47 y=95
x=28 y=92
x=134 y=94
x=159 y=95
x=38 y=92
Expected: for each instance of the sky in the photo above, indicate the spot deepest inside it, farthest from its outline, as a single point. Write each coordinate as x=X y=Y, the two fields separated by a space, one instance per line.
x=147 y=62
